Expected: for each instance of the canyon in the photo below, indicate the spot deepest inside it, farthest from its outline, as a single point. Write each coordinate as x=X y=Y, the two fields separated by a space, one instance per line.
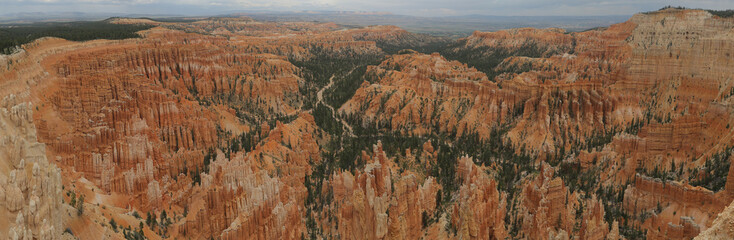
x=231 y=128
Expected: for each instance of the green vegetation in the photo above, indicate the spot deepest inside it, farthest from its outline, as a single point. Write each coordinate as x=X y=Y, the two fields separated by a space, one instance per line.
x=486 y=59
x=151 y=220
x=511 y=166
x=16 y=35
x=315 y=201
x=68 y=231
x=134 y=234
x=245 y=141
x=326 y=121
x=113 y=224
x=713 y=172
x=672 y=173
x=722 y=13
x=154 y=223
x=673 y=7
x=600 y=138
x=136 y=215
x=719 y=13
x=163 y=224
x=611 y=196
x=80 y=205
x=418 y=42
x=345 y=87
x=72 y=196
x=325 y=63
x=195 y=176
x=348 y=158
x=511 y=162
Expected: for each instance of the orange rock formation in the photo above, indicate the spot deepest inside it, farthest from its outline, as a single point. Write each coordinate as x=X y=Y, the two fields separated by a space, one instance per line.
x=600 y=134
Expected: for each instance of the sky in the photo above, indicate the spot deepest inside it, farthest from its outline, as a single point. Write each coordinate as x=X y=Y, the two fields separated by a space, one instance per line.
x=403 y=7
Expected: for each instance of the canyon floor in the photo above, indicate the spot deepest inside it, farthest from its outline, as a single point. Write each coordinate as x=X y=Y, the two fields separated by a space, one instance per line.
x=232 y=128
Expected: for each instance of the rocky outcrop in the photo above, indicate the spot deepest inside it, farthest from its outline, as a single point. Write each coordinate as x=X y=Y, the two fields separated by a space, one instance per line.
x=547 y=41
x=547 y=208
x=668 y=191
x=258 y=194
x=135 y=118
x=379 y=203
x=242 y=202
x=210 y=120
x=480 y=209
x=722 y=227
x=30 y=186
x=669 y=200
x=559 y=88
x=137 y=111
x=420 y=94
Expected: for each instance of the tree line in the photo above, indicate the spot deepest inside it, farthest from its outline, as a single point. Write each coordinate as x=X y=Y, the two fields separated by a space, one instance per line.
x=13 y=36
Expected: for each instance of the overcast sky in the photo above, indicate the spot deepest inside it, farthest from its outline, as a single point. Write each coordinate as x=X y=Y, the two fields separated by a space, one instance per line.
x=406 y=7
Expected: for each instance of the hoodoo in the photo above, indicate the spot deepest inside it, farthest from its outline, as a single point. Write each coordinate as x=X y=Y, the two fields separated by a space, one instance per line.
x=242 y=128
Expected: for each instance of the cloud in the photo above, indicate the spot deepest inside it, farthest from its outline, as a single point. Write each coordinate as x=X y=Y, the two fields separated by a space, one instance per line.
x=408 y=7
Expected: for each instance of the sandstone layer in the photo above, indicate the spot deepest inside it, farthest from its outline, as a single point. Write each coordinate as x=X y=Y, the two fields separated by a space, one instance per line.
x=218 y=128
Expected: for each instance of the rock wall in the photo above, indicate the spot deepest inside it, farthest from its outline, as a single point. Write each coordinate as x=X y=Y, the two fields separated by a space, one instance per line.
x=480 y=209
x=693 y=207
x=30 y=185
x=379 y=203
x=257 y=194
x=133 y=124
x=420 y=94
x=721 y=228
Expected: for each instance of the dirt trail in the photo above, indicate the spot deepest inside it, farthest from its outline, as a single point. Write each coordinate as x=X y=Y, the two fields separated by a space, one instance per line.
x=320 y=96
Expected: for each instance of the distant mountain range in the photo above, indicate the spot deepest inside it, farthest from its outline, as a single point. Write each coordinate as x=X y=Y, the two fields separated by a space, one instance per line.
x=455 y=26
x=33 y=17
x=446 y=26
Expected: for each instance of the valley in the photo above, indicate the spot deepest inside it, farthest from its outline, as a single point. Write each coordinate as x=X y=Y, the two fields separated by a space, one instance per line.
x=234 y=128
